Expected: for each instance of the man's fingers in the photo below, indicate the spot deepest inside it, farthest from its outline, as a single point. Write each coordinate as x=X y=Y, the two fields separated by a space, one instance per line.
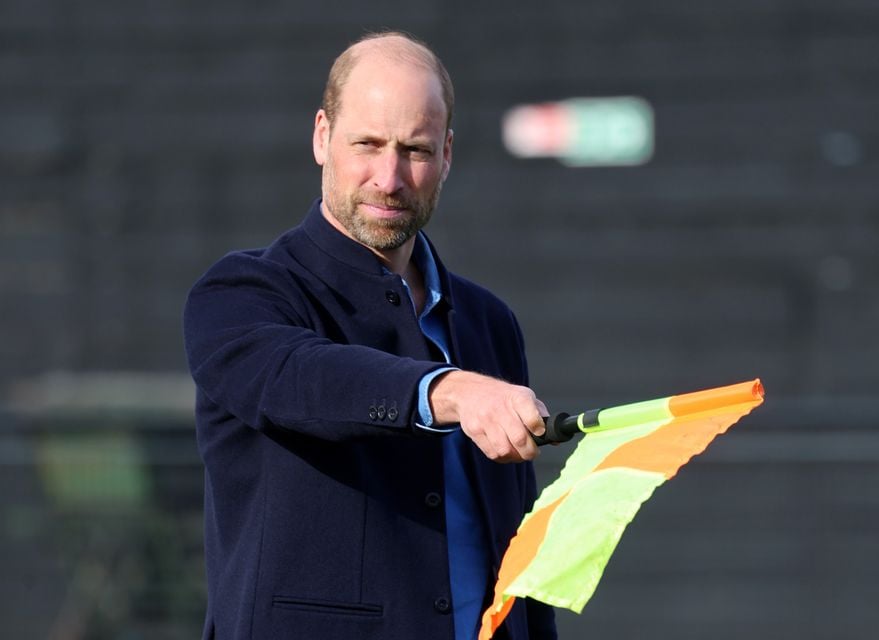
x=523 y=420
x=497 y=442
x=531 y=412
x=502 y=446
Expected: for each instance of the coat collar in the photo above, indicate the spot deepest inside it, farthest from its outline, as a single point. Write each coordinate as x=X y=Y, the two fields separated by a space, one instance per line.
x=339 y=247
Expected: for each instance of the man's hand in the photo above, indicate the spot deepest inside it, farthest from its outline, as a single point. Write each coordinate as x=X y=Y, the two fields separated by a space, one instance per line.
x=499 y=417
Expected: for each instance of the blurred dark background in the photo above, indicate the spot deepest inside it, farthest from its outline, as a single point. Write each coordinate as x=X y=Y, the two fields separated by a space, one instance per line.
x=141 y=141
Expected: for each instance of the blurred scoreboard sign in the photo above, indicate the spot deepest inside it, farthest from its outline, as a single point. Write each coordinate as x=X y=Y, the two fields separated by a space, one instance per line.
x=582 y=132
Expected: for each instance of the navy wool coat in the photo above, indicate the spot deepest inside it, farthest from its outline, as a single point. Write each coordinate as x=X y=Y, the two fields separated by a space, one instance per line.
x=324 y=514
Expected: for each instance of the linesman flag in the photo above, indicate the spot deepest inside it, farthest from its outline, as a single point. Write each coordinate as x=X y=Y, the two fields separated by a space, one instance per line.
x=563 y=545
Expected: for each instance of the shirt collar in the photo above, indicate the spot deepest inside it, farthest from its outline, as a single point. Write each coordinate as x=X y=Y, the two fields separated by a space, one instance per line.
x=424 y=260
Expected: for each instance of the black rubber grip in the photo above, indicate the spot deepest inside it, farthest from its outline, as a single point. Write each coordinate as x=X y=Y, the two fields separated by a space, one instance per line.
x=558 y=429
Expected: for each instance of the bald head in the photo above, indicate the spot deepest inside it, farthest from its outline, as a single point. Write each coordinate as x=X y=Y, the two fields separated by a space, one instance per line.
x=393 y=47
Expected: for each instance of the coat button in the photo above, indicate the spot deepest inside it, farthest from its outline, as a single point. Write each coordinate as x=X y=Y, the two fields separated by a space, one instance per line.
x=381 y=412
x=433 y=499
x=442 y=605
x=393 y=413
x=373 y=413
x=393 y=297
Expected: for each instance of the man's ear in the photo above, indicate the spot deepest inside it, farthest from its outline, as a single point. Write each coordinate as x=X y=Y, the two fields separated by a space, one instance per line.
x=447 y=153
x=321 y=139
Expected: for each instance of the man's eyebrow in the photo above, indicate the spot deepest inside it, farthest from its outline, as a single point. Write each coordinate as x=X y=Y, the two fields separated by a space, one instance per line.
x=363 y=135
x=418 y=140
x=422 y=143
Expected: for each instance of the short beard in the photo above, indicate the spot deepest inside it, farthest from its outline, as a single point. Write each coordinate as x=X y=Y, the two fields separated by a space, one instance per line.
x=381 y=235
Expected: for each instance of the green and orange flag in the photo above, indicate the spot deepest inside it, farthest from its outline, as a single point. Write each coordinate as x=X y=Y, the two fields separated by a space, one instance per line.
x=563 y=545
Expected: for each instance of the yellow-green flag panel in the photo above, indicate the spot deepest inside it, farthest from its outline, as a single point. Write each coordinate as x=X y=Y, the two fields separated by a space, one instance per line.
x=563 y=545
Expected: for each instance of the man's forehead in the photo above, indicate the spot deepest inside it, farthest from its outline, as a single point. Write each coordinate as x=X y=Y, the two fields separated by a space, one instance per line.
x=380 y=65
x=397 y=82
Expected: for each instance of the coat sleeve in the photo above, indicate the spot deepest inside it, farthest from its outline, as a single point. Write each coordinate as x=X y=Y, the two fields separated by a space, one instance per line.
x=252 y=353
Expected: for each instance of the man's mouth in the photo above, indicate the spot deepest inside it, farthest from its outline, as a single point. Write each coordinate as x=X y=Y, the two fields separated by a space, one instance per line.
x=384 y=210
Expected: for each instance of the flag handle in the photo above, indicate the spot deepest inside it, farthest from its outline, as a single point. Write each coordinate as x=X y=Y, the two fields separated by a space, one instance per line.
x=561 y=427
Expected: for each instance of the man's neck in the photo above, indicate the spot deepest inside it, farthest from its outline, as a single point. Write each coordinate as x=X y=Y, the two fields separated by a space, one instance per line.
x=398 y=260
x=417 y=288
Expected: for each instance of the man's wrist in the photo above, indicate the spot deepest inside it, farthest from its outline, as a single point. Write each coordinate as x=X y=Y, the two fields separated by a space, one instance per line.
x=425 y=410
x=447 y=391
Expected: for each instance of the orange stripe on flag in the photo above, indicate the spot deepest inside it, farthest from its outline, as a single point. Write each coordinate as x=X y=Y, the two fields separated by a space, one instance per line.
x=714 y=399
x=699 y=418
x=669 y=447
x=523 y=547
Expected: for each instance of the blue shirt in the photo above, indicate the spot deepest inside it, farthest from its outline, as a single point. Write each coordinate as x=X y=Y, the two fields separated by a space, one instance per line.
x=468 y=563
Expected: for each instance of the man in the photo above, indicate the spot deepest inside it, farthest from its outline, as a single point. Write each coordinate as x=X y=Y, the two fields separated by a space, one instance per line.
x=353 y=484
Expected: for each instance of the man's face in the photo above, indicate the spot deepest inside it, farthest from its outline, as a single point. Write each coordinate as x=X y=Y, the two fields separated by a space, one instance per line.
x=387 y=155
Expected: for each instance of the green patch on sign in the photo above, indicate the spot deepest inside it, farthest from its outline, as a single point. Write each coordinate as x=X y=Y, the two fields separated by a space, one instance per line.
x=93 y=470
x=608 y=131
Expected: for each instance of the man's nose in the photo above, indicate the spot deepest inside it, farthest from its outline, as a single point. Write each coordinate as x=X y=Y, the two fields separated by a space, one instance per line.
x=388 y=172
